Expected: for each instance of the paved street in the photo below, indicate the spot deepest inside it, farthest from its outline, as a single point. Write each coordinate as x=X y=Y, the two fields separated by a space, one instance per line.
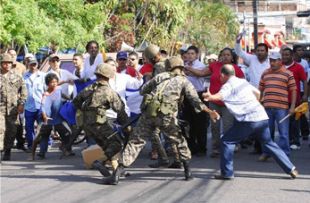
x=66 y=180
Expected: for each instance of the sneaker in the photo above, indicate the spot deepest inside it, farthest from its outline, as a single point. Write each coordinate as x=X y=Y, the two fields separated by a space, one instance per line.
x=294 y=147
x=294 y=173
x=263 y=157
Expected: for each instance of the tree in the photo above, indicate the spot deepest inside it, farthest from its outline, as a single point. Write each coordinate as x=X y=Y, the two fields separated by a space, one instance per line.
x=154 y=21
x=67 y=23
x=210 y=26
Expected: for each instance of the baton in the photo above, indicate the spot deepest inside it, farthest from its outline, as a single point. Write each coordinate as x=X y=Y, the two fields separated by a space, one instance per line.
x=283 y=119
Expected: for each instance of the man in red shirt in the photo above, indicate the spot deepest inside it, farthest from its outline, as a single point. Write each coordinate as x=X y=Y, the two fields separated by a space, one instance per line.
x=300 y=77
x=121 y=59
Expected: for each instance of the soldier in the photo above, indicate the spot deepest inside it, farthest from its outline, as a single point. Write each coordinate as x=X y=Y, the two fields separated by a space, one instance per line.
x=162 y=95
x=12 y=98
x=94 y=101
x=152 y=53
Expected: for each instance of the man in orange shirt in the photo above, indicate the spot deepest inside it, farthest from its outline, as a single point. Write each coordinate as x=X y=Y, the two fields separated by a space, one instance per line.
x=275 y=85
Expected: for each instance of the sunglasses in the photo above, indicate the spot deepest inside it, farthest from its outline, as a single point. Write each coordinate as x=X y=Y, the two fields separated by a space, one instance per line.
x=122 y=59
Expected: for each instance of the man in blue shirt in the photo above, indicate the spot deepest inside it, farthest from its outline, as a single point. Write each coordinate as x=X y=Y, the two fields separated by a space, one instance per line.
x=34 y=80
x=242 y=100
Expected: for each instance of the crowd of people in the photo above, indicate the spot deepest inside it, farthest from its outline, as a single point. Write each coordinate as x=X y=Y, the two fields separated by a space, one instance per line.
x=174 y=98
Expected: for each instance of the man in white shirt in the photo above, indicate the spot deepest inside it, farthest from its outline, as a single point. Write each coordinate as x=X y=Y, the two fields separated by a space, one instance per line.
x=91 y=62
x=257 y=63
x=133 y=60
x=65 y=77
x=35 y=83
x=242 y=100
x=119 y=83
x=199 y=122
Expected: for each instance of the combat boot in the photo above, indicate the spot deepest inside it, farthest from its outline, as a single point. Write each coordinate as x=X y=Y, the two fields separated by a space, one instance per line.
x=101 y=168
x=176 y=164
x=160 y=164
x=114 y=178
x=187 y=171
x=6 y=155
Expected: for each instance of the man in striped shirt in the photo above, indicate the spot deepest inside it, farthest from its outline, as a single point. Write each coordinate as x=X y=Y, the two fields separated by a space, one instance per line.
x=275 y=85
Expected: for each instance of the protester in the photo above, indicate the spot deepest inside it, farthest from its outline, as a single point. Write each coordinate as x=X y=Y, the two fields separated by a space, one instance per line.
x=299 y=55
x=242 y=100
x=51 y=105
x=300 y=77
x=122 y=59
x=91 y=61
x=199 y=122
x=213 y=70
x=276 y=85
x=35 y=83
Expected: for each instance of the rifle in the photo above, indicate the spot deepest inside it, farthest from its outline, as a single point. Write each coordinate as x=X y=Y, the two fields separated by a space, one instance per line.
x=123 y=127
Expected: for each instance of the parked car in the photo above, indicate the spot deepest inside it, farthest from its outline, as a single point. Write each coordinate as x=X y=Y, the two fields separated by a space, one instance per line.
x=65 y=63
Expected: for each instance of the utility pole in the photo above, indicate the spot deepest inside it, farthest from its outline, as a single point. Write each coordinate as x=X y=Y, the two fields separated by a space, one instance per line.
x=255 y=22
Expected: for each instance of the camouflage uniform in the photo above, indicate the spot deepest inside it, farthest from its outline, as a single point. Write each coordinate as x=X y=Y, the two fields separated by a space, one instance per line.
x=94 y=101
x=166 y=119
x=12 y=93
x=159 y=67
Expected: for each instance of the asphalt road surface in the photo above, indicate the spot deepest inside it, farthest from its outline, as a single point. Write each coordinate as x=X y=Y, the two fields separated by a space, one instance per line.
x=66 y=180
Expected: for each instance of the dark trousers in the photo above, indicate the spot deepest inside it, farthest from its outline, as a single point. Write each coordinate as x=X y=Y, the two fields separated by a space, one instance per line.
x=304 y=125
x=64 y=131
x=199 y=123
x=294 y=131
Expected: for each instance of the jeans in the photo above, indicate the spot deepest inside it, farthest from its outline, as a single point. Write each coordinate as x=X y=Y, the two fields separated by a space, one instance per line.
x=30 y=118
x=241 y=130
x=275 y=115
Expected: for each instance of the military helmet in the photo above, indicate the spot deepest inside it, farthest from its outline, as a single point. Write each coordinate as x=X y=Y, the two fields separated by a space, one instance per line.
x=6 y=58
x=105 y=70
x=151 y=51
x=174 y=62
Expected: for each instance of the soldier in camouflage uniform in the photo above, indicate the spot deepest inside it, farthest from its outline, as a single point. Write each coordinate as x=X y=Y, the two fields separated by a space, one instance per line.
x=165 y=92
x=12 y=98
x=152 y=53
x=93 y=101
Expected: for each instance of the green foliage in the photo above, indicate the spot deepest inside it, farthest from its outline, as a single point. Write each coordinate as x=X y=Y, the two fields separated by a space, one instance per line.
x=71 y=23
x=210 y=25
x=37 y=23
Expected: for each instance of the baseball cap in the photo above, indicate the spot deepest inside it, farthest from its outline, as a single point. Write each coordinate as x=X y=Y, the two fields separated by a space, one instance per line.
x=275 y=55
x=212 y=56
x=122 y=55
x=53 y=56
x=29 y=56
x=33 y=61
